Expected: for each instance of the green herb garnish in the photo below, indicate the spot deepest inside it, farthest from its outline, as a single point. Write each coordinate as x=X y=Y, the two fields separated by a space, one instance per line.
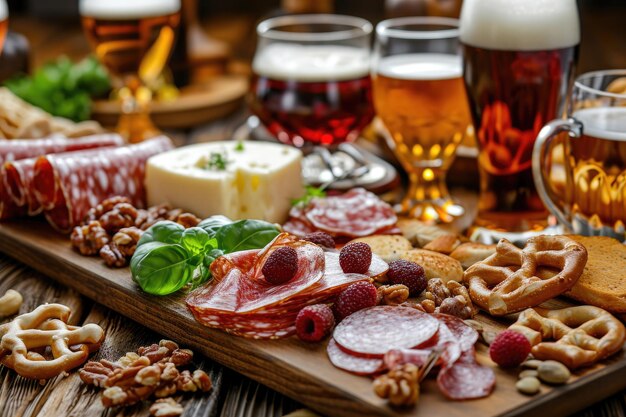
x=63 y=88
x=310 y=193
x=217 y=161
x=239 y=146
x=168 y=256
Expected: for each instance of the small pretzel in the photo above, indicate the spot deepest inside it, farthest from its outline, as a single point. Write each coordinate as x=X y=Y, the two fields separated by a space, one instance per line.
x=575 y=336
x=514 y=279
x=46 y=326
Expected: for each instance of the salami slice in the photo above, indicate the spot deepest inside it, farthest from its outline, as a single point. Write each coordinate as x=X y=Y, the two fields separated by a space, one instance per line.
x=466 y=380
x=67 y=185
x=298 y=228
x=465 y=335
x=356 y=213
x=374 y=331
x=16 y=149
x=397 y=357
x=354 y=364
x=17 y=167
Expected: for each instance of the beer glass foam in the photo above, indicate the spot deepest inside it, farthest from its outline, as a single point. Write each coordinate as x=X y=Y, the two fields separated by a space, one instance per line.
x=4 y=11
x=421 y=66
x=128 y=9
x=311 y=63
x=520 y=24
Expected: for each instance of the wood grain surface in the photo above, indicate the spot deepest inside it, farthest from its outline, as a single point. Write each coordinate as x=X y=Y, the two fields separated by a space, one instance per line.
x=289 y=366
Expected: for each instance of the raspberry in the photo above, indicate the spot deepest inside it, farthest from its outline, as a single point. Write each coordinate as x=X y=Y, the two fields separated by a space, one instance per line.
x=322 y=239
x=408 y=273
x=314 y=323
x=281 y=265
x=356 y=297
x=355 y=258
x=509 y=349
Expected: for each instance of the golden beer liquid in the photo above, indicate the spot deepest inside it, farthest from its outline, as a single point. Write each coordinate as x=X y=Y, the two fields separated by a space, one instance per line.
x=427 y=117
x=132 y=46
x=592 y=186
x=4 y=28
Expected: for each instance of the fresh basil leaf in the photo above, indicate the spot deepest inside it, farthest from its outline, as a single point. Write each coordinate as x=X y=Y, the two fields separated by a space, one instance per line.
x=196 y=240
x=164 y=231
x=201 y=275
x=213 y=223
x=161 y=268
x=245 y=235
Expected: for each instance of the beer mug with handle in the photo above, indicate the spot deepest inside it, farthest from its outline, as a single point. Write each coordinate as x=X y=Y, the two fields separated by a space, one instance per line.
x=581 y=177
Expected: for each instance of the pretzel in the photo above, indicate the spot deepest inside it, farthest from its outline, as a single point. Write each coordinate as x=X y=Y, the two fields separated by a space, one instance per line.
x=579 y=336
x=46 y=326
x=514 y=279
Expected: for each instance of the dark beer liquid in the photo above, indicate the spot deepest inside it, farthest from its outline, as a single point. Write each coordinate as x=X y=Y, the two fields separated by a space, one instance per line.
x=512 y=95
x=323 y=113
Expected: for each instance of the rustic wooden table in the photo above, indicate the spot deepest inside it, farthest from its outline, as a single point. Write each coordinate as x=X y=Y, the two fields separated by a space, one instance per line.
x=233 y=395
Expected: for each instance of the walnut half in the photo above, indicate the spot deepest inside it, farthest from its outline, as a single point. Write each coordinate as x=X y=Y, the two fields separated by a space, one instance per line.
x=400 y=385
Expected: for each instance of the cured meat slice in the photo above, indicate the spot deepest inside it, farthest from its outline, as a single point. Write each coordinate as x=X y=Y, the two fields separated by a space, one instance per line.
x=246 y=291
x=397 y=357
x=222 y=265
x=14 y=197
x=463 y=334
x=374 y=331
x=356 y=213
x=16 y=149
x=298 y=228
x=378 y=267
x=67 y=185
x=466 y=379
x=354 y=364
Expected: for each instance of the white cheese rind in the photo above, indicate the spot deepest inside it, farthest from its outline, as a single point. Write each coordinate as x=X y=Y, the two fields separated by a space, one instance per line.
x=259 y=182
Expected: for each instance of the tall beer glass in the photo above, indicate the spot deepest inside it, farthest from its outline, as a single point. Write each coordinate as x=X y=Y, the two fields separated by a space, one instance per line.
x=587 y=192
x=133 y=39
x=311 y=82
x=519 y=59
x=420 y=97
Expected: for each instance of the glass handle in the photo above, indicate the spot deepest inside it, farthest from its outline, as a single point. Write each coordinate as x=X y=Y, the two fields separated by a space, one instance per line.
x=574 y=128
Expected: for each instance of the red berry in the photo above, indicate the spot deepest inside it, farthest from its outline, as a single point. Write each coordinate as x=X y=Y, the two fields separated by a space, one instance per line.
x=408 y=273
x=355 y=258
x=314 y=323
x=322 y=239
x=509 y=349
x=281 y=265
x=356 y=297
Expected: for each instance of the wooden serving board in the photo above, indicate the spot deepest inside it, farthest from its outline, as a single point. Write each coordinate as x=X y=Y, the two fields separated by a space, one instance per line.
x=298 y=370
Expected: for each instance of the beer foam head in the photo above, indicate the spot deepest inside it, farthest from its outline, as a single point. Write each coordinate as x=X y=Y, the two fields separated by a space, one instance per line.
x=603 y=122
x=4 y=10
x=311 y=63
x=526 y=25
x=127 y=9
x=421 y=66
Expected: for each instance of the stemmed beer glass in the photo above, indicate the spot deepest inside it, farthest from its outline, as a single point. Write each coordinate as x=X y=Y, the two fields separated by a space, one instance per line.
x=420 y=97
x=311 y=83
x=133 y=39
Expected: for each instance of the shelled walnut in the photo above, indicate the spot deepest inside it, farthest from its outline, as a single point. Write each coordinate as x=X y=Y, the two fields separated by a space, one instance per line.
x=450 y=298
x=152 y=371
x=400 y=386
x=113 y=228
x=392 y=295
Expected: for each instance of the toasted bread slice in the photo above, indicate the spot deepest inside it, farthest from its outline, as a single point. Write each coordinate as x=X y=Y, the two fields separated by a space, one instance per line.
x=388 y=247
x=421 y=234
x=603 y=282
x=435 y=264
x=471 y=252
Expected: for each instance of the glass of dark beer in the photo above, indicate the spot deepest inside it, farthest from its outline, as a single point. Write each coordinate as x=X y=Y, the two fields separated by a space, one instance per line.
x=519 y=60
x=133 y=39
x=311 y=82
x=585 y=190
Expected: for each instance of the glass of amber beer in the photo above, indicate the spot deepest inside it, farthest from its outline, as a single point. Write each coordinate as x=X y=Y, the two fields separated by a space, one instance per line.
x=420 y=97
x=133 y=39
x=519 y=59
x=311 y=82
x=588 y=192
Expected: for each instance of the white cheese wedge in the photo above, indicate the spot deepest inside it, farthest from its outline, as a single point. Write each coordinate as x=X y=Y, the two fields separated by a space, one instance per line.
x=257 y=180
